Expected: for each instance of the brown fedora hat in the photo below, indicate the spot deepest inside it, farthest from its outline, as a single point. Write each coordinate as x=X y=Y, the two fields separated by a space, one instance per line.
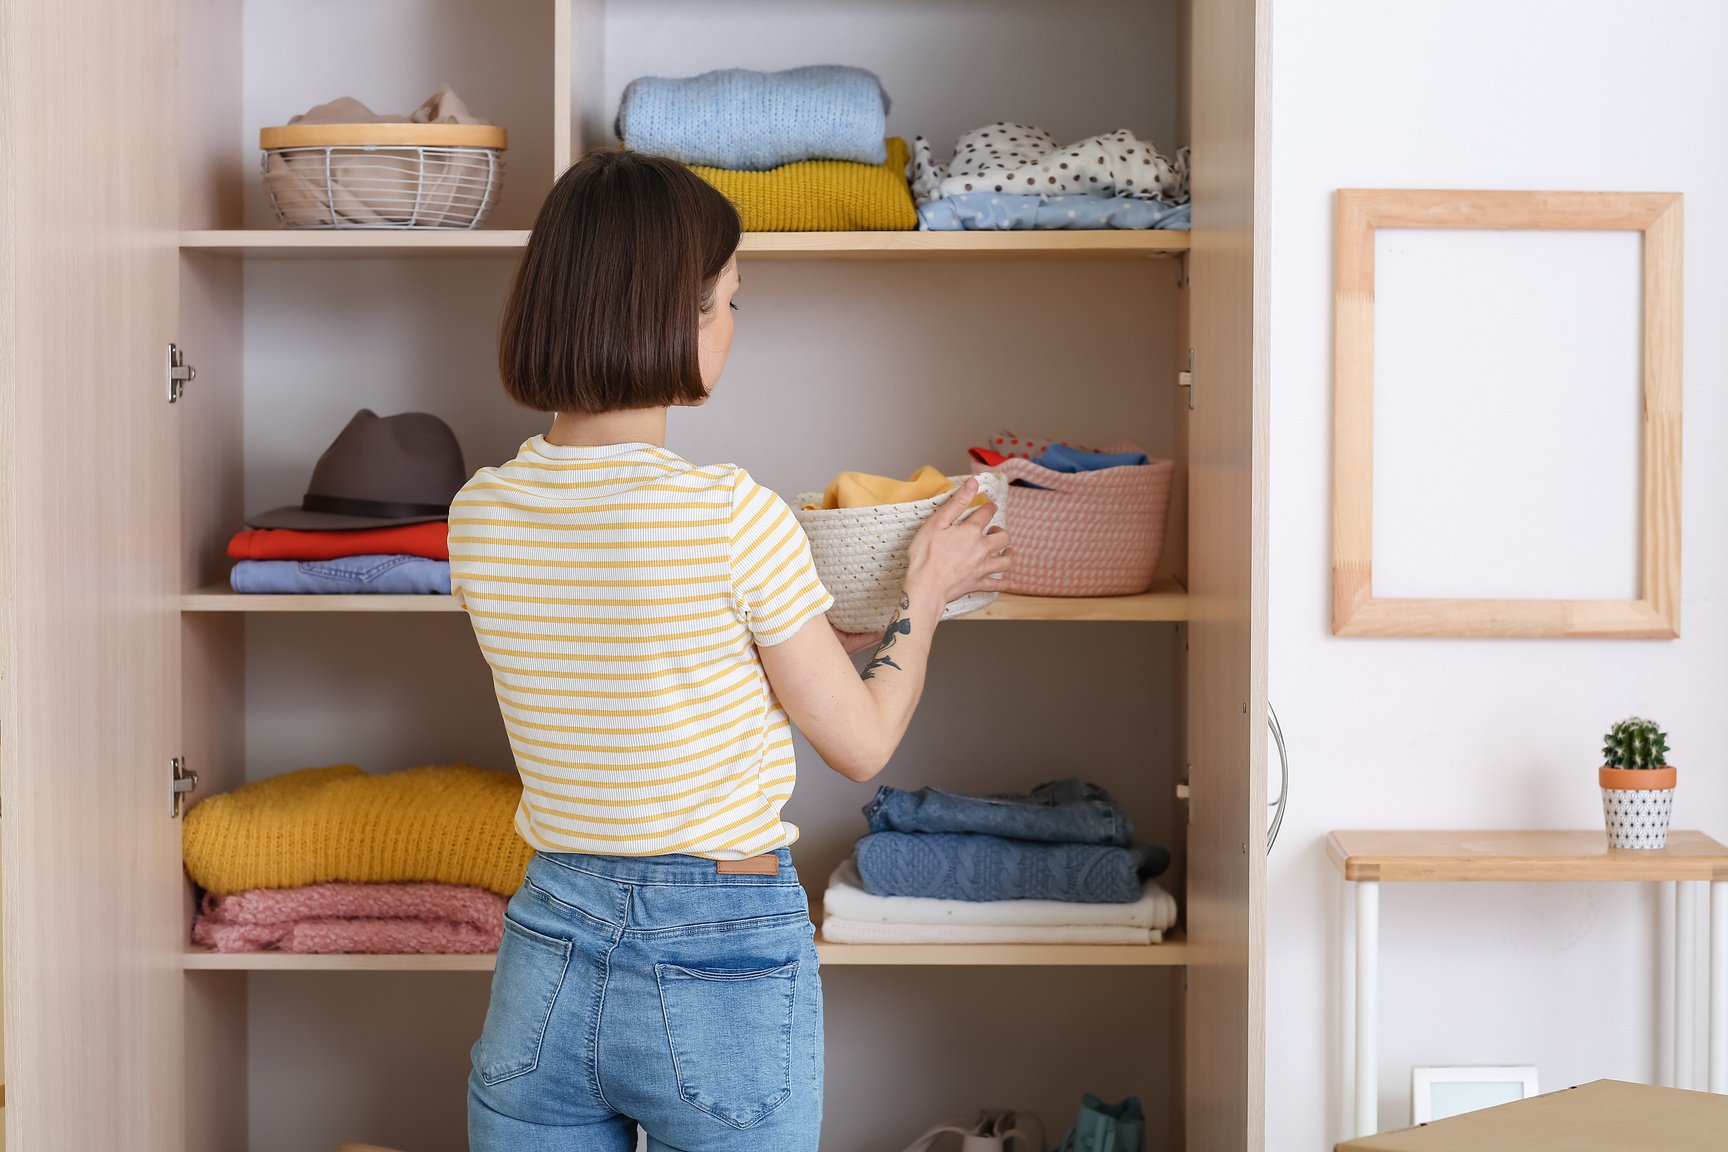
x=381 y=471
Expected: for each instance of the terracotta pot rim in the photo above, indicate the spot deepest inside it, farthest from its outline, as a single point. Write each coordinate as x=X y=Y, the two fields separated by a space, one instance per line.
x=1637 y=779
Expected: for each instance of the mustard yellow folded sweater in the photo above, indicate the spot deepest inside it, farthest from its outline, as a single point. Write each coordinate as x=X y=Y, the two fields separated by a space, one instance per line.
x=451 y=824
x=821 y=195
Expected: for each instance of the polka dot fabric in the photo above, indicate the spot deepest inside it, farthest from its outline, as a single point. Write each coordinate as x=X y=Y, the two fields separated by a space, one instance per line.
x=1018 y=158
x=1026 y=447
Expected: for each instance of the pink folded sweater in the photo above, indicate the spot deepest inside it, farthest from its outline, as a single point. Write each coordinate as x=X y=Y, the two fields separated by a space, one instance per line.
x=379 y=918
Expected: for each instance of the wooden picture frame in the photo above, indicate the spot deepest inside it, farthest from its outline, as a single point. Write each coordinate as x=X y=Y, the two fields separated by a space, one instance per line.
x=1356 y=611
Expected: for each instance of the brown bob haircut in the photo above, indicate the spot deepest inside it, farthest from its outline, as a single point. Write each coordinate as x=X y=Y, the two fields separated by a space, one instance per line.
x=617 y=276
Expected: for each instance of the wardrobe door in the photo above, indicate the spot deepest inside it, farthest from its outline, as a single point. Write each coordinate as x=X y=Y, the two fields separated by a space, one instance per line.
x=89 y=511
x=1225 y=1030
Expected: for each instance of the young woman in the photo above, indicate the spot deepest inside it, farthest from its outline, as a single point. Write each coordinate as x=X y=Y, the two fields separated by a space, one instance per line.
x=653 y=628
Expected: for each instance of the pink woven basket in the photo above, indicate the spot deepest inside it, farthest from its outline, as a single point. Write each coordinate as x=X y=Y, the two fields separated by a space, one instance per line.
x=1086 y=533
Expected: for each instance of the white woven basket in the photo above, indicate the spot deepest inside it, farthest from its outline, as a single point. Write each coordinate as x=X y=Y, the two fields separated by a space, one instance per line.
x=860 y=554
x=383 y=175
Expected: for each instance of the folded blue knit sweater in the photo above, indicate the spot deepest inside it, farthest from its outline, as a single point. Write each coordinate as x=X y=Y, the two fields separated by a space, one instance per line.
x=754 y=121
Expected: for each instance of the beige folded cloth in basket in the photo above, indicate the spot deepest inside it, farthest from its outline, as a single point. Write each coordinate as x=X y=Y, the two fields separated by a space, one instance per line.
x=379 y=187
x=860 y=553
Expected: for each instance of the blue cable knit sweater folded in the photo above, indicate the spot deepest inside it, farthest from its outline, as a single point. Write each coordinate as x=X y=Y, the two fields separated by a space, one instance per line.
x=753 y=121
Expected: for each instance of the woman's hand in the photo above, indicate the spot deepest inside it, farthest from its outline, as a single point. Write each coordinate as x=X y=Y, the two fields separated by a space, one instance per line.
x=950 y=558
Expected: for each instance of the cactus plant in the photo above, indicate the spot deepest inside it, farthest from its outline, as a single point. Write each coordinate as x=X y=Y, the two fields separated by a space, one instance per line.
x=1635 y=743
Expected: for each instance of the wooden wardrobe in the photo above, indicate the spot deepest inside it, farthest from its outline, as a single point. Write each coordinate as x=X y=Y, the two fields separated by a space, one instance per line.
x=132 y=218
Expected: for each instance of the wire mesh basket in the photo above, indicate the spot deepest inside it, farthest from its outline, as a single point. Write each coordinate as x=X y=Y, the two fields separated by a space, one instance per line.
x=383 y=175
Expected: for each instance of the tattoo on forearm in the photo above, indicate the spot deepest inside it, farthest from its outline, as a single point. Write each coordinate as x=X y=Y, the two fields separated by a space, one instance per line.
x=897 y=626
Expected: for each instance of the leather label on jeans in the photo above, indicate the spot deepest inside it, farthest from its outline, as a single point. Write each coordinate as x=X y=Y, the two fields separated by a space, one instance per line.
x=768 y=865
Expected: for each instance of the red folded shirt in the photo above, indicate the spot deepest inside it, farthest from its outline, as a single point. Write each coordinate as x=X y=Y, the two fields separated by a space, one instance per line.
x=430 y=540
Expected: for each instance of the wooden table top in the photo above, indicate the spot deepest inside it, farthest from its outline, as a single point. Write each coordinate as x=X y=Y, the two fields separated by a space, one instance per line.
x=1521 y=856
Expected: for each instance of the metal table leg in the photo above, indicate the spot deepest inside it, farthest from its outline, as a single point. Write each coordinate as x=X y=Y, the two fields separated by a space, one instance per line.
x=1719 y=986
x=1367 y=1003
x=1685 y=982
x=1346 y=895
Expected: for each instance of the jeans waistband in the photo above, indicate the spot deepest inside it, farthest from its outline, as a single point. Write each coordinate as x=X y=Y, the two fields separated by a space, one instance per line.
x=674 y=869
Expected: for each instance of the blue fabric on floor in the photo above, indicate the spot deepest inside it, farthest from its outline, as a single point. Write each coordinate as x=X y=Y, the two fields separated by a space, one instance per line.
x=1061 y=458
x=753 y=121
x=1001 y=211
x=1062 y=812
x=952 y=866
x=387 y=575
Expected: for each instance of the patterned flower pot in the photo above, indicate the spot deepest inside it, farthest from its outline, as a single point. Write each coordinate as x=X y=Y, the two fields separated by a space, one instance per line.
x=1636 y=802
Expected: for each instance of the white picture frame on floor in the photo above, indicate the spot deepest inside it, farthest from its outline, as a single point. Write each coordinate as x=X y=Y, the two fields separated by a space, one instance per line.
x=1439 y=1092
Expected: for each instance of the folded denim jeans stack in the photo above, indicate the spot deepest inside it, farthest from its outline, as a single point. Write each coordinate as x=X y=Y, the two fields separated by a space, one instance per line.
x=803 y=150
x=1058 y=865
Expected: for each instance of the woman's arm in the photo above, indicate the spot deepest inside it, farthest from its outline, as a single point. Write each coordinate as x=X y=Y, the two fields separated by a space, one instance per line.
x=853 y=720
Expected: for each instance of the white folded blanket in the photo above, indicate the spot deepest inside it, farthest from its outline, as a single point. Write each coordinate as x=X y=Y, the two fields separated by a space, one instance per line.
x=847 y=900
x=838 y=930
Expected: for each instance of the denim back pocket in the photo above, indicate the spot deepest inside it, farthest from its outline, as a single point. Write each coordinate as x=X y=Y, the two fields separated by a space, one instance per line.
x=525 y=985
x=731 y=1038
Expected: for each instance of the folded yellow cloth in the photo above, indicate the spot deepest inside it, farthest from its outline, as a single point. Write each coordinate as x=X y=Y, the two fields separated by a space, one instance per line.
x=862 y=490
x=821 y=195
x=451 y=824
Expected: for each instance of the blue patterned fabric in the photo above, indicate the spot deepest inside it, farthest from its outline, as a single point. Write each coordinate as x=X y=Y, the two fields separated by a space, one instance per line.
x=753 y=121
x=992 y=211
x=388 y=575
x=1062 y=812
x=953 y=866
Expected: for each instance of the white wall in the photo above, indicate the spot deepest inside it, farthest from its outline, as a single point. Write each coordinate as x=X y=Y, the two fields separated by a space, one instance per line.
x=1452 y=733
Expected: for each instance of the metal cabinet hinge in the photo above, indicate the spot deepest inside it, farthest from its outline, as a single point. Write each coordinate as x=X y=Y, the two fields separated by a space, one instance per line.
x=1186 y=379
x=180 y=373
x=1183 y=792
x=182 y=783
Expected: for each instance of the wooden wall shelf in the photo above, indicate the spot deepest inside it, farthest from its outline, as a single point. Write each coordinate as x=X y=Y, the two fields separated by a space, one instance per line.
x=1167 y=600
x=1172 y=953
x=271 y=243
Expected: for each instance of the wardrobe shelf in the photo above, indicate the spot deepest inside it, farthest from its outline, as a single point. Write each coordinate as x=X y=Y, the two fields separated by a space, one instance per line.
x=323 y=244
x=1082 y=245
x=204 y=960
x=1172 y=953
x=1167 y=600
x=1079 y=245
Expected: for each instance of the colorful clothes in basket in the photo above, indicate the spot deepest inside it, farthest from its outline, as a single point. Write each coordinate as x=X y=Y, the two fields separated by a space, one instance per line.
x=1061 y=458
x=862 y=490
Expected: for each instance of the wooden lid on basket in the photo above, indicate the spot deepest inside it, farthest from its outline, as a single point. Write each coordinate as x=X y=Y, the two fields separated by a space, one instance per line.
x=384 y=136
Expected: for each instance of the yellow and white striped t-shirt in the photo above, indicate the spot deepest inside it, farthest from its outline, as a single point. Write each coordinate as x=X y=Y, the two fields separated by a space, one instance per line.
x=619 y=594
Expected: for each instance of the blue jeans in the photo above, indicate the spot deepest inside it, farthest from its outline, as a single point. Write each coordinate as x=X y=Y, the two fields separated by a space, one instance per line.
x=391 y=575
x=954 y=866
x=653 y=991
x=1060 y=812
